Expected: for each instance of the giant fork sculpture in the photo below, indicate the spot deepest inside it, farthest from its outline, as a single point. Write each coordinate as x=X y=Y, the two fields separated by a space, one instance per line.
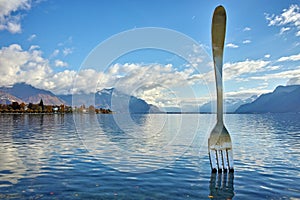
x=219 y=142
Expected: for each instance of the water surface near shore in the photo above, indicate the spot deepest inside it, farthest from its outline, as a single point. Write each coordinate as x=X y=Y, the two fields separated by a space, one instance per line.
x=150 y=157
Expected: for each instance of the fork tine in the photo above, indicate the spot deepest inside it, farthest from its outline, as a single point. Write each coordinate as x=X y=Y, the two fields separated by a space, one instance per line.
x=213 y=159
x=221 y=186
x=225 y=160
x=230 y=159
x=219 y=160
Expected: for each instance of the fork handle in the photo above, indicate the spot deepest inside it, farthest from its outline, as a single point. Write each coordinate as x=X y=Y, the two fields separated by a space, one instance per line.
x=218 y=31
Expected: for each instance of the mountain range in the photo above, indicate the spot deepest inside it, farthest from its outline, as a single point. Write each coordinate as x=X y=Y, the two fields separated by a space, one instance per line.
x=106 y=98
x=283 y=99
x=110 y=99
x=230 y=105
x=22 y=92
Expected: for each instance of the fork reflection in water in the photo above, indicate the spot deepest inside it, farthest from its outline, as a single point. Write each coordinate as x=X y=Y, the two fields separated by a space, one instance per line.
x=221 y=186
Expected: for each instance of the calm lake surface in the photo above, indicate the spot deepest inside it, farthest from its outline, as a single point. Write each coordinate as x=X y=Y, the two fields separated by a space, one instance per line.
x=154 y=156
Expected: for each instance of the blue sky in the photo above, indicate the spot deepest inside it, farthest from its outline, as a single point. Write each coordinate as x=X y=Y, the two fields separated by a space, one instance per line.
x=44 y=43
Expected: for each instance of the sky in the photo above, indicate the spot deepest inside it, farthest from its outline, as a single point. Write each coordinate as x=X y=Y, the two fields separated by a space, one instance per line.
x=46 y=43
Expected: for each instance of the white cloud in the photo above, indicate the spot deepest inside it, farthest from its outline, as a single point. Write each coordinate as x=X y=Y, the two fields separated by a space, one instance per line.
x=65 y=47
x=127 y=77
x=156 y=83
x=68 y=41
x=54 y=53
x=247 y=29
x=14 y=26
x=235 y=70
x=63 y=82
x=163 y=85
x=67 y=51
x=294 y=81
x=289 y=19
x=8 y=19
x=60 y=63
x=290 y=58
x=288 y=74
x=30 y=38
x=231 y=45
x=272 y=67
x=284 y=29
x=267 y=56
x=246 y=93
x=246 y=41
x=17 y=65
x=34 y=47
x=144 y=80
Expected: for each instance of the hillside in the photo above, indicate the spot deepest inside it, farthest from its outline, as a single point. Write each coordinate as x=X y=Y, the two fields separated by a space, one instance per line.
x=29 y=94
x=6 y=98
x=106 y=98
x=230 y=105
x=110 y=99
x=282 y=99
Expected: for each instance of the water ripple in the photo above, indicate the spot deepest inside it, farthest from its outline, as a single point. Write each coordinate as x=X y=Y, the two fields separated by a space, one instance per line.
x=42 y=157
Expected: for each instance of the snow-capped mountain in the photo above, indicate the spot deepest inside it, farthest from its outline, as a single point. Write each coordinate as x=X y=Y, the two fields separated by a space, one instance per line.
x=230 y=105
x=111 y=99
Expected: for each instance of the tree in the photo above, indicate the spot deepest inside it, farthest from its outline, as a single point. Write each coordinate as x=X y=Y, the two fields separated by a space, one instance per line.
x=30 y=105
x=41 y=104
x=15 y=105
x=36 y=108
x=62 y=108
x=49 y=109
x=91 y=109
x=22 y=106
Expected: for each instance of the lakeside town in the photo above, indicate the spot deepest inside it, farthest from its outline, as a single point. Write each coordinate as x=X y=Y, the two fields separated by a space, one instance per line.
x=16 y=107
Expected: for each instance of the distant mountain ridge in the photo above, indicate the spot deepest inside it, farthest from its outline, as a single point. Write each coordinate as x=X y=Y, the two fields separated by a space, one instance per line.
x=230 y=105
x=106 y=98
x=111 y=99
x=283 y=99
x=6 y=98
x=23 y=92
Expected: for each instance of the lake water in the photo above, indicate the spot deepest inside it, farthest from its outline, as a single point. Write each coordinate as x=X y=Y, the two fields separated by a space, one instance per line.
x=146 y=157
